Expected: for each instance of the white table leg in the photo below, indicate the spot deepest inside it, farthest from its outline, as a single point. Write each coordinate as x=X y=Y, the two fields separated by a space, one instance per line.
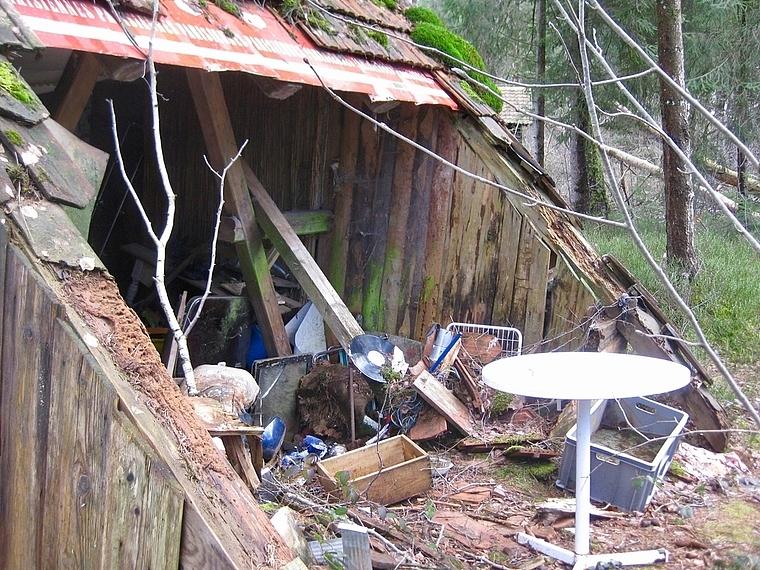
x=583 y=478
x=580 y=559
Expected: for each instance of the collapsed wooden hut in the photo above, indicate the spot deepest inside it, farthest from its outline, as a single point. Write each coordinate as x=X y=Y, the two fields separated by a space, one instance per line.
x=102 y=462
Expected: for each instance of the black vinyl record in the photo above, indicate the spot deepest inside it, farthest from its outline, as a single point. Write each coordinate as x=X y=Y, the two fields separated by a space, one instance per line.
x=370 y=353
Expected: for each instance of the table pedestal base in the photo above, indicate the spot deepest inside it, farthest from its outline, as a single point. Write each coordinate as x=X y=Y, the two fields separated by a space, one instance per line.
x=584 y=561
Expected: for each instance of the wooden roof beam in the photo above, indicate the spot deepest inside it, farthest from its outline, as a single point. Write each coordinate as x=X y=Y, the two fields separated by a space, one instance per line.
x=75 y=94
x=216 y=125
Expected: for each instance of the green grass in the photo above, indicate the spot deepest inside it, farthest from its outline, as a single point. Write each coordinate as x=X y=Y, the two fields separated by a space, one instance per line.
x=724 y=296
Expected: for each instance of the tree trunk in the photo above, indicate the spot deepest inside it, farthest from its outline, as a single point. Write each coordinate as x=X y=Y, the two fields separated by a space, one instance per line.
x=741 y=114
x=588 y=195
x=540 y=77
x=679 y=196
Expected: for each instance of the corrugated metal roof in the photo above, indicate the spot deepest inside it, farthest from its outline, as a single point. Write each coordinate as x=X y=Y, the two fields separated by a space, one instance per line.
x=258 y=42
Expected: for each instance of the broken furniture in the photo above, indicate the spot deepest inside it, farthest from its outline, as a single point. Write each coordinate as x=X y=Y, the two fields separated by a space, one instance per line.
x=231 y=431
x=633 y=441
x=585 y=376
x=386 y=472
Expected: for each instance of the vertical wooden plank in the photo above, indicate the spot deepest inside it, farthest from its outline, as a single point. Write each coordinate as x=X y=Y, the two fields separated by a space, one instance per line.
x=29 y=316
x=343 y=187
x=360 y=238
x=438 y=222
x=144 y=505
x=3 y=257
x=506 y=261
x=398 y=223
x=531 y=276
x=570 y=304
x=416 y=244
x=330 y=166
x=497 y=214
x=460 y=250
x=77 y=457
x=375 y=227
x=217 y=131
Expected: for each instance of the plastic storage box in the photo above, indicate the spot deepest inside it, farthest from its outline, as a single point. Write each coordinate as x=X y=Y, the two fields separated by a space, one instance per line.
x=624 y=472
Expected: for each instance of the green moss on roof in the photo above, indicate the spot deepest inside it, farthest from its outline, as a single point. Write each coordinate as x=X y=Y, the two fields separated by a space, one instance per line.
x=390 y=4
x=228 y=6
x=417 y=14
x=298 y=10
x=10 y=82
x=440 y=38
x=14 y=137
x=379 y=37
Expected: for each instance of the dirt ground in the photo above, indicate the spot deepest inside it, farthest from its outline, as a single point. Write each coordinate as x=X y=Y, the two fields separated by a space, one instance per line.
x=472 y=514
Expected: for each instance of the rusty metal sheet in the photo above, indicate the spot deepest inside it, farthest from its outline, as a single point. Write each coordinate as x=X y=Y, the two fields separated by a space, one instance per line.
x=211 y=39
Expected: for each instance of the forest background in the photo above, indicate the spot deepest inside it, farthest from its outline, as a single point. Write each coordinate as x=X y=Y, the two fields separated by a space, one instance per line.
x=532 y=43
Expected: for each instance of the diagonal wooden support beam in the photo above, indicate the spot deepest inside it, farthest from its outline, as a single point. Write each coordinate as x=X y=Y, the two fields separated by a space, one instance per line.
x=217 y=130
x=302 y=264
x=78 y=90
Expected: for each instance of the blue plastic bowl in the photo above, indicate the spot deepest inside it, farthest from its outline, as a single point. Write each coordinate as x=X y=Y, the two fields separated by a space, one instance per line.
x=272 y=438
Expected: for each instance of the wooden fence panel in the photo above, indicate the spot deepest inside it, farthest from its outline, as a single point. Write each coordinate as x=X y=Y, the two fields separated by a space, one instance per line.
x=29 y=317
x=80 y=488
x=107 y=483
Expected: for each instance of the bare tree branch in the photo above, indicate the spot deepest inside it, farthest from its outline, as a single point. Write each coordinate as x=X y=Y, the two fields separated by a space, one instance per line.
x=620 y=202
x=222 y=176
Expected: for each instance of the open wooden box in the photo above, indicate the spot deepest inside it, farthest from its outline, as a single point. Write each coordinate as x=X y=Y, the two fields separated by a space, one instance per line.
x=391 y=471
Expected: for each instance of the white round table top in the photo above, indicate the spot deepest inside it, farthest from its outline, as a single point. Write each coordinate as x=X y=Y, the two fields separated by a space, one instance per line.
x=584 y=375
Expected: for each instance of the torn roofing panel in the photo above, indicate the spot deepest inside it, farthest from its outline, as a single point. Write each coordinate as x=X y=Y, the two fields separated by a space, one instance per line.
x=257 y=42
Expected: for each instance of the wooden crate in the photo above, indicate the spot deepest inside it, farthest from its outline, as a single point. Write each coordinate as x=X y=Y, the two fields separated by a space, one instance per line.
x=391 y=471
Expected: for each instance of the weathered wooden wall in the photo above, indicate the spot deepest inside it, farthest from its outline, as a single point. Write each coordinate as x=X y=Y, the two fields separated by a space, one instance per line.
x=78 y=487
x=413 y=241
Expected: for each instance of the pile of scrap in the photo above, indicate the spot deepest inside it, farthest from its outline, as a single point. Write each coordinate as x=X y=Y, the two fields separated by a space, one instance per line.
x=381 y=405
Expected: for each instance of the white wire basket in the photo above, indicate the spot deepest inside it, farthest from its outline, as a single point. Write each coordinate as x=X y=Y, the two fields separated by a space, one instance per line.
x=510 y=338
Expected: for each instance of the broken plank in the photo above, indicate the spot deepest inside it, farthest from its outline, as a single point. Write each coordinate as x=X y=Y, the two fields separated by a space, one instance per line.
x=314 y=283
x=48 y=162
x=303 y=223
x=430 y=424
x=470 y=382
x=217 y=130
x=309 y=222
x=472 y=445
x=446 y=403
x=603 y=336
